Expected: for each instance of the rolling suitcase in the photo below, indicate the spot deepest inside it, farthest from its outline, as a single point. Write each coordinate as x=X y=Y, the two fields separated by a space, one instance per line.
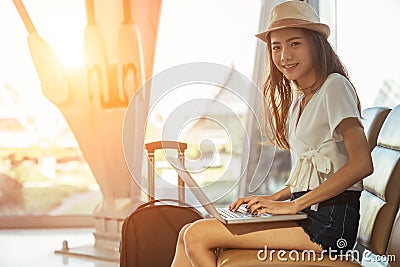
x=149 y=234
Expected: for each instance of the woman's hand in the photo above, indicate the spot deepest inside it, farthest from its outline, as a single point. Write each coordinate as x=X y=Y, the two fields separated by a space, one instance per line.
x=240 y=201
x=260 y=205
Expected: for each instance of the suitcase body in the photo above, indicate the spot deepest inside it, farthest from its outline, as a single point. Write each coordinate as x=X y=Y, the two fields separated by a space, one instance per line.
x=149 y=234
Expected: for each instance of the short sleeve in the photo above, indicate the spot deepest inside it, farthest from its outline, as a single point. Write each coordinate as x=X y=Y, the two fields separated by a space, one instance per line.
x=340 y=102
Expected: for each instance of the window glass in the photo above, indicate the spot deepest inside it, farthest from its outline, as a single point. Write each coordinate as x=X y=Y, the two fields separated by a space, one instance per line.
x=42 y=170
x=218 y=32
x=367 y=42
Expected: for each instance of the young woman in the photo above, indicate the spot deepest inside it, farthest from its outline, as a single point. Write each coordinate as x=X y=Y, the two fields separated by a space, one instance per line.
x=307 y=92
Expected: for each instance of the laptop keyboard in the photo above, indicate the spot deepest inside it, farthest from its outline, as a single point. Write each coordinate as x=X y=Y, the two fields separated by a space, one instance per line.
x=240 y=213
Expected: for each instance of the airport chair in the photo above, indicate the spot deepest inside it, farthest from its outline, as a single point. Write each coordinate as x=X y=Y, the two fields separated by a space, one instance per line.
x=381 y=194
x=372 y=119
x=394 y=243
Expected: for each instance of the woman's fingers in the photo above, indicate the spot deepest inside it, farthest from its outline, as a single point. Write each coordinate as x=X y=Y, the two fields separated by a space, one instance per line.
x=240 y=201
x=261 y=211
x=253 y=208
x=251 y=202
x=258 y=204
x=235 y=205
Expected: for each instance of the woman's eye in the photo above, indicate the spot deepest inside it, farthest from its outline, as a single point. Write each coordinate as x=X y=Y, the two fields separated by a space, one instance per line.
x=275 y=48
x=295 y=44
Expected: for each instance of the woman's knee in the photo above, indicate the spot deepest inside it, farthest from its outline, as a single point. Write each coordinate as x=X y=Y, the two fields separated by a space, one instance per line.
x=182 y=232
x=192 y=239
x=195 y=234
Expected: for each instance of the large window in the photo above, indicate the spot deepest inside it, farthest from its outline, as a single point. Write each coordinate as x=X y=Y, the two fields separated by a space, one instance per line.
x=367 y=43
x=210 y=117
x=42 y=170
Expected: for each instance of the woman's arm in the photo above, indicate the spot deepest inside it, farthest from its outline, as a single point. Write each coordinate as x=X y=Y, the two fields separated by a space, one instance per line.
x=358 y=166
x=281 y=195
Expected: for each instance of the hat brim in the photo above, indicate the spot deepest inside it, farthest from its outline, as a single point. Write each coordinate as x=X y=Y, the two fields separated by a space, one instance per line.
x=318 y=27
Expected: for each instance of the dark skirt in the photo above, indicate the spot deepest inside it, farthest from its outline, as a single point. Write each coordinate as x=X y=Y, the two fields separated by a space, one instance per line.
x=334 y=225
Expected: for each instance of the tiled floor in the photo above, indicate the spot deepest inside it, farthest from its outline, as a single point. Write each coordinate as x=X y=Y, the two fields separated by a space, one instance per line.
x=36 y=248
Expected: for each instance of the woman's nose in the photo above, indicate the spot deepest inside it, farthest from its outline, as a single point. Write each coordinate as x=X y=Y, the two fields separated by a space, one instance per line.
x=286 y=55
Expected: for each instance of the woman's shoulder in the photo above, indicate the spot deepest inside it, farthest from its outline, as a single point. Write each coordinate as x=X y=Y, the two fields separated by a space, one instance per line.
x=335 y=78
x=336 y=83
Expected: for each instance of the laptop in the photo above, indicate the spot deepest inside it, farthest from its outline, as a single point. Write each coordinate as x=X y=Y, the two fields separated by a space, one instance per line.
x=225 y=215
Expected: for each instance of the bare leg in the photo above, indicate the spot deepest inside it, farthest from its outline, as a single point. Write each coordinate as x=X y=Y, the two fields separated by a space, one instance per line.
x=180 y=258
x=203 y=236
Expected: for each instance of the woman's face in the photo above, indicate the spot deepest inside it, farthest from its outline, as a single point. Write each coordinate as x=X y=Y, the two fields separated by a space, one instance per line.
x=291 y=54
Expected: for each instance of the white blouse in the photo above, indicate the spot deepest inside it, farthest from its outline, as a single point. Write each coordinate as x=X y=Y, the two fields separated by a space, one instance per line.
x=316 y=144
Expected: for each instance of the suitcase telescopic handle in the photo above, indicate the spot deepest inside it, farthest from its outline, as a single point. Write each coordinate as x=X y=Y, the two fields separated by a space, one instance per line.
x=151 y=148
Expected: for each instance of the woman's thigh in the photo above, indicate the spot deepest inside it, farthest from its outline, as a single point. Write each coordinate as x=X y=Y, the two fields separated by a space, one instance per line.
x=276 y=235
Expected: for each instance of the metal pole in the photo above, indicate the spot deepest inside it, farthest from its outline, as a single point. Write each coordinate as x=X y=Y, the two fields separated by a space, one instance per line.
x=24 y=16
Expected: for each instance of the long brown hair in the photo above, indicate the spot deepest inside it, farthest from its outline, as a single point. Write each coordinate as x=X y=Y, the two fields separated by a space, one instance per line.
x=278 y=93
